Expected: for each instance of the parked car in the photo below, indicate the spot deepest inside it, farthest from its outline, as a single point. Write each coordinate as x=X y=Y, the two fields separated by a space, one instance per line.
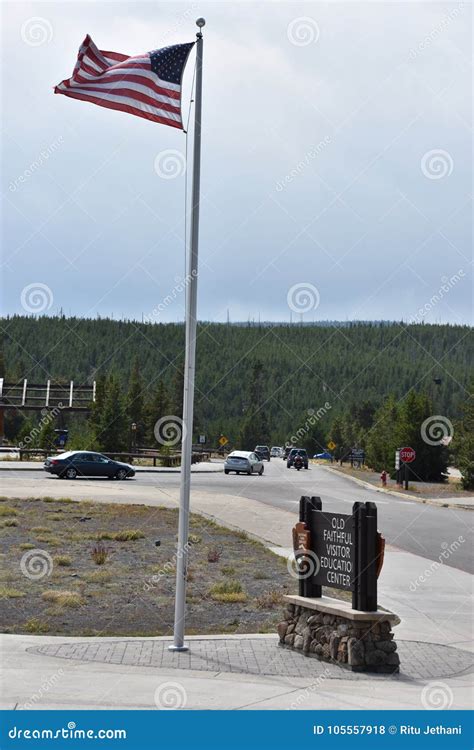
x=276 y=451
x=71 y=464
x=297 y=452
x=325 y=455
x=243 y=462
x=263 y=452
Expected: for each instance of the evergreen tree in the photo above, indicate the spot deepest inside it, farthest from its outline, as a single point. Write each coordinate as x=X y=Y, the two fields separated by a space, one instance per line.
x=113 y=429
x=431 y=462
x=47 y=434
x=464 y=442
x=381 y=439
x=135 y=403
x=255 y=428
x=336 y=435
x=157 y=407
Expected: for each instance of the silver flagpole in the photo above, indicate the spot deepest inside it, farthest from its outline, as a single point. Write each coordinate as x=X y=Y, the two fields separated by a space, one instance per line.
x=189 y=366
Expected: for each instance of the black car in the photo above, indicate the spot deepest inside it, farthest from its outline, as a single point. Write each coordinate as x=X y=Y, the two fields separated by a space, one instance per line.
x=263 y=452
x=297 y=452
x=86 y=464
x=286 y=452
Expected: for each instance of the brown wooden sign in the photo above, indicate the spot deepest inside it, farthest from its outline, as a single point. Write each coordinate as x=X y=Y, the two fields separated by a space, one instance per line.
x=301 y=538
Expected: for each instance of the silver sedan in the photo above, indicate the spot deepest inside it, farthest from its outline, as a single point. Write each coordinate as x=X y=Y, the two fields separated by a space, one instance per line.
x=243 y=462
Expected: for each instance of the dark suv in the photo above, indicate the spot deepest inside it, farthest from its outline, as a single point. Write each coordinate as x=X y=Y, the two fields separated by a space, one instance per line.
x=263 y=452
x=292 y=455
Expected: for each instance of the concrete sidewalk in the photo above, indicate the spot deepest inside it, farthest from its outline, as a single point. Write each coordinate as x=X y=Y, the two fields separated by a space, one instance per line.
x=84 y=676
x=206 y=467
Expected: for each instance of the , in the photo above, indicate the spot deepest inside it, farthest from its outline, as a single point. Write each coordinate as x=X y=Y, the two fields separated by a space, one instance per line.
x=243 y=462
x=87 y=464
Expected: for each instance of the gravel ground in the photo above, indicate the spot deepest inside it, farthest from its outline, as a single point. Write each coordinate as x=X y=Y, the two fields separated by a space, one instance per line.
x=50 y=582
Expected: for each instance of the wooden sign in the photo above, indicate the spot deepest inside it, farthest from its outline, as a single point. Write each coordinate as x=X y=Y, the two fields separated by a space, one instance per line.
x=335 y=549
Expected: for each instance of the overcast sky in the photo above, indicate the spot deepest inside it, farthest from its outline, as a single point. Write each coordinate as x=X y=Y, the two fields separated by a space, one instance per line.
x=336 y=164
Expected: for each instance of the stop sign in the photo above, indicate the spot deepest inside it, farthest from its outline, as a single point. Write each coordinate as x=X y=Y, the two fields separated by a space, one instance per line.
x=407 y=455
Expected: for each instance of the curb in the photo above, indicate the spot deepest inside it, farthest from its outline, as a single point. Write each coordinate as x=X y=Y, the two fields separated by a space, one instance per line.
x=403 y=495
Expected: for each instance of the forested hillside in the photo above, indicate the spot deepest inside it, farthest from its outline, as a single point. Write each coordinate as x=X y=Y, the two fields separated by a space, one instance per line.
x=302 y=367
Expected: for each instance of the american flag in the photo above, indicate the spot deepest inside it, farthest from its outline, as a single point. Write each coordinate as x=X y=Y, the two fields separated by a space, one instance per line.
x=147 y=85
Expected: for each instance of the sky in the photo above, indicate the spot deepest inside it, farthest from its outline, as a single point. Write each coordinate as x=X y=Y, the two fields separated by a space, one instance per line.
x=336 y=165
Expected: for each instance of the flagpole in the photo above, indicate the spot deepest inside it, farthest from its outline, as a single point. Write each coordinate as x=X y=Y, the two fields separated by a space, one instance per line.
x=189 y=365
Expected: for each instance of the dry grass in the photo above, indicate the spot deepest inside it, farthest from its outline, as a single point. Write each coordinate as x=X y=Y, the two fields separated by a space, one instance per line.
x=270 y=600
x=228 y=570
x=64 y=561
x=41 y=530
x=6 y=592
x=53 y=541
x=126 y=535
x=99 y=553
x=63 y=598
x=9 y=522
x=7 y=510
x=36 y=626
x=228 y=591
x=26 y=545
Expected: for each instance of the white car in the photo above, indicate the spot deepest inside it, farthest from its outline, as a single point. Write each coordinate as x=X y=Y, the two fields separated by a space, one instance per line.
x=276 y=452
x=243 y=462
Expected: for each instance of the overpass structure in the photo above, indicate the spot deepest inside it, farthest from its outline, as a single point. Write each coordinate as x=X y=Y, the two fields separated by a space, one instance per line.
x=51 y=395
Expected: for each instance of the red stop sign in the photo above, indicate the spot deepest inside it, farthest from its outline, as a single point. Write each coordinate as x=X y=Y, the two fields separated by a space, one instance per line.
x=407 y=455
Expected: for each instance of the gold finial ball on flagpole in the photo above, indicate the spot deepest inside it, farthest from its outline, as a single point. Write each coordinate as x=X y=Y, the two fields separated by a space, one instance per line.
x=200 y=22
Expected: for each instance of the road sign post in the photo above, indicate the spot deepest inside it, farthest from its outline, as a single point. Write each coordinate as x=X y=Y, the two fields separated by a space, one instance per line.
x=407 y=456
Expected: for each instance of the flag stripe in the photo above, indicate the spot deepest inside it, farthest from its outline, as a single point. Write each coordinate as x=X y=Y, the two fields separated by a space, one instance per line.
x=129 y=93
x=144 y=81
x=123 y=107
x=147 y=86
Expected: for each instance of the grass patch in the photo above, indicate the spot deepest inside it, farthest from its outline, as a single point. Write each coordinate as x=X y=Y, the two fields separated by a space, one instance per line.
x=6 y=592
x=41 y=530
x=127 y=535
x=99 y=553
x=270 y=599
x=36 y=626
x=9 y=522
x=53 y=541
x=7 y=510
x=64 y=561
x=228 y=570
x=63 y=598
x=228 y=591
x=260 y=576
x=26 y=545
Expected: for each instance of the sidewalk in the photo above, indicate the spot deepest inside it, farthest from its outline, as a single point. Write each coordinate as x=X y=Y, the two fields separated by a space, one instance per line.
x=466 y=503
x=113 y=674
x=251 y=671
x=206 y=467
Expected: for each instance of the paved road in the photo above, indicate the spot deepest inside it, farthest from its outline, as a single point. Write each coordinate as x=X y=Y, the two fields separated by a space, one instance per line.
x=423 y=530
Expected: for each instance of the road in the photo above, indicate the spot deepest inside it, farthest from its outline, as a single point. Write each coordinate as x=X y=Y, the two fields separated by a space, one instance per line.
x=424 y=530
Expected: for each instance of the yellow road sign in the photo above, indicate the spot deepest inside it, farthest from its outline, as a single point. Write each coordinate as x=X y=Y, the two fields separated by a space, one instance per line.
x=223 y=440
x=331 y=446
